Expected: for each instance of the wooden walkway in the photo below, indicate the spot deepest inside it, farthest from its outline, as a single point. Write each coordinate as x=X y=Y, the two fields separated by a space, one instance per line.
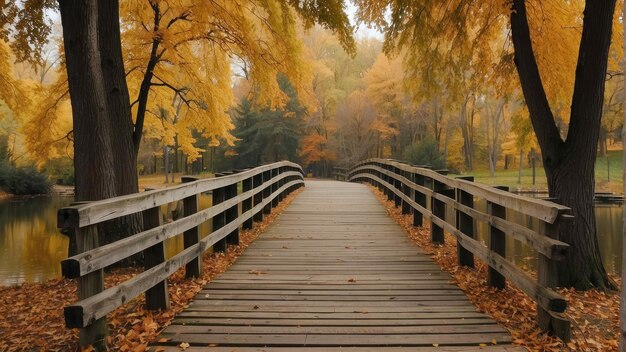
x=334 y=272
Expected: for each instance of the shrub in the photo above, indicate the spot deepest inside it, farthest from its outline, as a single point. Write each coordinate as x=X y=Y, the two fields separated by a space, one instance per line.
x=23 y=181
x=425 y=152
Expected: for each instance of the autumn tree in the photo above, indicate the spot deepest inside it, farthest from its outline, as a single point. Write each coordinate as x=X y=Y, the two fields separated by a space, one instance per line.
x=544 y=40
x=107 y=126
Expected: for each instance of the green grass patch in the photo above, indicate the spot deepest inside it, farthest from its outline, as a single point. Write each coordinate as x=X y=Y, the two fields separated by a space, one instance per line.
x=608 y=177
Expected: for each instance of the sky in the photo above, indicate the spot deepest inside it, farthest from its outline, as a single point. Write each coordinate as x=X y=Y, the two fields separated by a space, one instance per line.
x=362 y=31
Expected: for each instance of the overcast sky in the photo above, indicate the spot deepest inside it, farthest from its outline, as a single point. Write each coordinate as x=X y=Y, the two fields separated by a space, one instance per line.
x=362 y=31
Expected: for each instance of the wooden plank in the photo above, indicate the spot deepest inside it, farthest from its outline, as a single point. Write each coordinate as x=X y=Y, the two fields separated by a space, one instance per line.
x=337 y=340
x=325 y=274
x=361 y=330
x=488 y=348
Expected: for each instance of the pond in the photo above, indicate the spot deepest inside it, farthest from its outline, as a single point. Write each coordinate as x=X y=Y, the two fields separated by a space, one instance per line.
x=31 y=247
x=609 y=229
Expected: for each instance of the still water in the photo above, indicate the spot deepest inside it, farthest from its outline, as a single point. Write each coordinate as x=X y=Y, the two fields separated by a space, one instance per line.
x=31 y=247
x=609 y=226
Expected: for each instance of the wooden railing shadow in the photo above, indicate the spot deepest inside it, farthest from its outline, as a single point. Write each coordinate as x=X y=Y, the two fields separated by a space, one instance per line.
x=239 y=199
x=426 y=194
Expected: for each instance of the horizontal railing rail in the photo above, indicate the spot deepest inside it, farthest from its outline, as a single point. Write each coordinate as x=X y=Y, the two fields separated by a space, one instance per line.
x=427 y=193
x=340 y=173
x=238 y=199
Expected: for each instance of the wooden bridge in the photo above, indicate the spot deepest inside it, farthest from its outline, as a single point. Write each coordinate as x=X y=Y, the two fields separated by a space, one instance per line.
x=332 y=271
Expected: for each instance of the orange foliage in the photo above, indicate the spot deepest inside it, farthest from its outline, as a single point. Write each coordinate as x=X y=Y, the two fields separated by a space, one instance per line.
x=315 y=148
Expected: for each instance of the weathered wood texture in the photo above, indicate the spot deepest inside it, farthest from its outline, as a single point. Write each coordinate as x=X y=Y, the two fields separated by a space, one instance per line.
x=334 y=271
x=394 y=178
x=89 y=313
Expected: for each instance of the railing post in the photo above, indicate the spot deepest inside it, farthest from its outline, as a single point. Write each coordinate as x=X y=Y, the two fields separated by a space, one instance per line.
x=267 y=175
x=465 y=223
x=497 y=242
x=406 y=190
x=439 y=210
x=191 y=236
x=219 y=220
x=157 y=296
x=281 y=195
x=420 y=198
x=547 y=277
x=246 y=204
x=88 y=285
x=274 y=187
x=397 y=185
x=257 y=181
x=232 y=213
x=389 y=180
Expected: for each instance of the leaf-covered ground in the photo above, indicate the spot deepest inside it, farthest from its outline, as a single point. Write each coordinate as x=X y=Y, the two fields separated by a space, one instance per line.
x=31 y=315
x=594 y=314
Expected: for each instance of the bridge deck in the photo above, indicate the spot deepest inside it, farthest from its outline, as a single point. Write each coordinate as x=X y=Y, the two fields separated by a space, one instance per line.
x=334 y=270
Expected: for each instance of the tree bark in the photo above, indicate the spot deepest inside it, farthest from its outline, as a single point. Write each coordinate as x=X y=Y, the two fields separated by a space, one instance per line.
x=93 y=161
x=570 y=164
x=118 y=99
x=120 y=118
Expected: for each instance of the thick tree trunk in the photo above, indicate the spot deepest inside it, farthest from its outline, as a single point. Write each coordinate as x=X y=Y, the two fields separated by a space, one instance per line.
x=93 y=161
x=120 y=118
x=118 y=100
x=570 y=164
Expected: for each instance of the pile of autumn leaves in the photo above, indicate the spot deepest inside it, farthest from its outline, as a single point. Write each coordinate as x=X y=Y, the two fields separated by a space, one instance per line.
x=594 y=314
x=32 y=314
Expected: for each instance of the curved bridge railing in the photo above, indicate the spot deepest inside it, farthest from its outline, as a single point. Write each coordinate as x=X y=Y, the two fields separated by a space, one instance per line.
x=427 y=194
x=239 y=198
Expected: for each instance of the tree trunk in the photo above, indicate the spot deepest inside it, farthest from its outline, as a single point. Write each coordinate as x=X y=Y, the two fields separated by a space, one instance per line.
x=466 y=122
x=570 y=164
x=521 y=166
x=93 y=161
x=120 y=119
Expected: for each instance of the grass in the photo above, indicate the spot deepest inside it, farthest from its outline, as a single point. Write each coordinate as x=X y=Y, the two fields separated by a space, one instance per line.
x=158 y=180
x=607 y=179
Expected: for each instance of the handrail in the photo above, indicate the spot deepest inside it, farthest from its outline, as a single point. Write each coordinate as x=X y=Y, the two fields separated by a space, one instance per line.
x=340 y=173
x=427 y=193
x=261 y=190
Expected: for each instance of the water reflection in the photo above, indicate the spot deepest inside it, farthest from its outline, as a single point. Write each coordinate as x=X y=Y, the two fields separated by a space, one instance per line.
x=31 y=247
x=175 y=244
x=609 y=226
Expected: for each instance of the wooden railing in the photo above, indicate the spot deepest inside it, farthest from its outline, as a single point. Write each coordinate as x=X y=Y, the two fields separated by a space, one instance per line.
x=340 y=173
x=427 y=194
x=261 y=190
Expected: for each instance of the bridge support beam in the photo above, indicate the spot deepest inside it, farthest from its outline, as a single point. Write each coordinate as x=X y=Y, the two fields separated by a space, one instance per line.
x=246 y=185
x=191 y=236
x=219 y=220
x=419 y=198
x=465 y=223
x=497 y=242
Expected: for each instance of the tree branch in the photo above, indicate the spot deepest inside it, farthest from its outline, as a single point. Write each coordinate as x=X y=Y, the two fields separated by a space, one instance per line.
x=541 y=115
